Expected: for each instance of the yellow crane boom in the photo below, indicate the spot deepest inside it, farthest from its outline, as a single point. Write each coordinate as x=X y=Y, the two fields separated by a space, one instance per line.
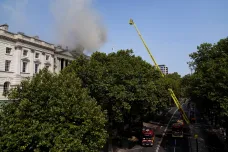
x=131 y=22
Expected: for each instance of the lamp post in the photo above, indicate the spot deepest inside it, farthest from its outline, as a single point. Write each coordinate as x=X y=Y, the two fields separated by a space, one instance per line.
x=196 y=137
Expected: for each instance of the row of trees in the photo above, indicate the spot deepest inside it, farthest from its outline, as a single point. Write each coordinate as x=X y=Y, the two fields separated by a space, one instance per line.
x=208 y=85
x=88 y=101
x=52 y=113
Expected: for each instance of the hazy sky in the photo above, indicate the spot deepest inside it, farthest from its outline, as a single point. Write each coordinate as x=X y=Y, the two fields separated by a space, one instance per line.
x=171 y=28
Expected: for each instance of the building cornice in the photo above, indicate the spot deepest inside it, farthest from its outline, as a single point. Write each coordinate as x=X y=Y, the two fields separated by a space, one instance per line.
x=7 y=38
x=25 y=59
x=18 y=47
x=47 y=63
x=24 y=41
x=34 y=44
x=37 y=61
x=5 y=35
x=64 y=55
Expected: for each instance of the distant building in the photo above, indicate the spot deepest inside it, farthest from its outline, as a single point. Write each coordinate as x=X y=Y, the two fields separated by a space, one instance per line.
x=164 y=69
x=23 y=56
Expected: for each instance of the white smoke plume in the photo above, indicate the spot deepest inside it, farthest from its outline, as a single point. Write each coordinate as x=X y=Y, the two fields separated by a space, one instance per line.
x=78 y=24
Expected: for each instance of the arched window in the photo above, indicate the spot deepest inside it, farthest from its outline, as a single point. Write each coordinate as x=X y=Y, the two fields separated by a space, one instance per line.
x=6 y=88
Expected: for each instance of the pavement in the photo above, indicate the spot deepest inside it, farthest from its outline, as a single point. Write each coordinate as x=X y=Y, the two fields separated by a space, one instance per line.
x=208 y=140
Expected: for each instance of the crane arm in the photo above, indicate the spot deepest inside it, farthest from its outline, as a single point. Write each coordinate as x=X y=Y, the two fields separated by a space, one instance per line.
x=177 y=103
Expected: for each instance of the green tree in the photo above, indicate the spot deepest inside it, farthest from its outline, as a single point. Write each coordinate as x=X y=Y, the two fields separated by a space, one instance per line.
x=210 y=79
x=52 y=113
x=173 y=81
x=123 y=84
x=186 y=85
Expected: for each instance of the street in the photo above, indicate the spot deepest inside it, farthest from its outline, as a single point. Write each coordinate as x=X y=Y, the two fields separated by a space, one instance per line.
x=164 y=142
x=169 y=143
x=163 y=139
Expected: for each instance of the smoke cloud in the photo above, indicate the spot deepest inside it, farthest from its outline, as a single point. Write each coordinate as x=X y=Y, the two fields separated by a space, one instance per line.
x=77 y=24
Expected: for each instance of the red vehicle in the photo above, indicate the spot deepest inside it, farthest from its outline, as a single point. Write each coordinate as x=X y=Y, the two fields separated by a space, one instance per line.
x=181 y=122
x=177 y=130
x=192 y=116
x=147 y=136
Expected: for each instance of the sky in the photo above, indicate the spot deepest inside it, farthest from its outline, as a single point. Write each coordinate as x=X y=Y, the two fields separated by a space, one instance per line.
x=171 y=28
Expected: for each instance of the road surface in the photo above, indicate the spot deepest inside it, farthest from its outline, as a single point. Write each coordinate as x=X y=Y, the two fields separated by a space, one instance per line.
x=163 y=140
x=170 y=144
x=159 y=134
x=207 y=140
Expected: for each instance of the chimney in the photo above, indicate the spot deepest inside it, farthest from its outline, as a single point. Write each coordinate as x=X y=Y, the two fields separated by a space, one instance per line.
x=36 y=37
x=59 y=46
x=21 y=33
x=4 y=27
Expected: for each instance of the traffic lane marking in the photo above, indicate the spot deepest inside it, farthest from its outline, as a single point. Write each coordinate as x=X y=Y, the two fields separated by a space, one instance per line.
x=158 y=146
x=159 y=132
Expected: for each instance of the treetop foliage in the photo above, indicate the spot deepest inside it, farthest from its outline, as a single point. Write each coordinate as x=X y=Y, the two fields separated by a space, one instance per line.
x=209 y=82
x=123 y=84
x=74 y=110
x=53 y=113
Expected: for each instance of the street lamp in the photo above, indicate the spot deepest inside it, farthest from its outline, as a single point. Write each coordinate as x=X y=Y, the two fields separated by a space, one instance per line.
x=196 y=137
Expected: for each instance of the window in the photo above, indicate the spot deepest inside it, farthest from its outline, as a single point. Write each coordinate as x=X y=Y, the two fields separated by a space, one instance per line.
x=37 y=55
x=47 y=67
x=47 y=57
x=62 y=65
x=7 y=65
x=36 y=67
x=6 y=88
x=25 y=53
x=24 y=66
x=8 y=50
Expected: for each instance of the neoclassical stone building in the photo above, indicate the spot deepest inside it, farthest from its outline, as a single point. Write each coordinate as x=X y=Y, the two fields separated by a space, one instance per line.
x=23 y=56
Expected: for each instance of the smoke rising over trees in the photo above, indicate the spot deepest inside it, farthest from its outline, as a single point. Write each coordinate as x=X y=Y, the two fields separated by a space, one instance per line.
x=77 y=23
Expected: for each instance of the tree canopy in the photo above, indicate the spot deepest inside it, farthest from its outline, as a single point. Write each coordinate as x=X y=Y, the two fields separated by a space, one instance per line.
x=123 y=84
x=209 y=82
x=52 y=113
x=90 y=97
x=174 y=82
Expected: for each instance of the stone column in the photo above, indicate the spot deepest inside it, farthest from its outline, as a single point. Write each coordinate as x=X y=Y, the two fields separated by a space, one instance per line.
x=52 y=63
x=31 y=68
x=58 y=64
x=17 y=60
x=43 y=59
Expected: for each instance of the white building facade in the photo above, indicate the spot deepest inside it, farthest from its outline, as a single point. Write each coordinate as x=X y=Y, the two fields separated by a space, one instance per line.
x=23 y=56
x=164 y=69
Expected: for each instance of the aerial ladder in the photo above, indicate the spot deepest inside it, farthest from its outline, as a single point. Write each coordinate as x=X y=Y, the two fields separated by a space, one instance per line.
x=177 y=103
